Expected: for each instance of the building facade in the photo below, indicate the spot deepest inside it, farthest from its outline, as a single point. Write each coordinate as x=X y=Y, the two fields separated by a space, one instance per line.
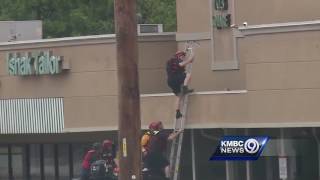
x=255 y=73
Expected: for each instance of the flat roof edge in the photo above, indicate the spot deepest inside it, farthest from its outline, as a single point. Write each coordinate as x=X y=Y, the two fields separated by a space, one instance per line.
x=105 y=38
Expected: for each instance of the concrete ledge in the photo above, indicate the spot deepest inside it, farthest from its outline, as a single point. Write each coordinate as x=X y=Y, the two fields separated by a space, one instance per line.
x=90 y=129
x=193 y=36
x=82 y=40
x=252 y=125
x=280 y=28
x=197 y=93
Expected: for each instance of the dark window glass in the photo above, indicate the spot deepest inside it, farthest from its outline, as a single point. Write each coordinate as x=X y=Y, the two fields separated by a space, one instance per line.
x=17 y=163
x=206 y=141
x=4 y=162
x=79 y=152
x=49 y=170
x=63 y=156
x=35 y=162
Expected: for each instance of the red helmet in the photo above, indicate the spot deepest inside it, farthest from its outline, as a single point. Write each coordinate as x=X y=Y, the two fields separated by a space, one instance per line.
x=107 y=144
x=180 y=53
x=155 y=125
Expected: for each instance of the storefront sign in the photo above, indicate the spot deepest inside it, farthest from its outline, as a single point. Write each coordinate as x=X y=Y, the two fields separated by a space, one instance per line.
x=35 y=63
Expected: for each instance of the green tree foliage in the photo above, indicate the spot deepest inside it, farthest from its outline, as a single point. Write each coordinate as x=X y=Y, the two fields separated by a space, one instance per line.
x=158 y=12
x=63 y=18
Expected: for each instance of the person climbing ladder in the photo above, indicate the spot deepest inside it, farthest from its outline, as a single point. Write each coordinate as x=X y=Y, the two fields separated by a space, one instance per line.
x=178 y=79
x=155 y=159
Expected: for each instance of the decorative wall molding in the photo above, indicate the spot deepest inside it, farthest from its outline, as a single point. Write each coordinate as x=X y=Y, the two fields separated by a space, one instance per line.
x=279 y=28
x=193 y=36
x=197 y=93
x=251 y=125
x=90 y=129
x=82 y=40
x=232 y=64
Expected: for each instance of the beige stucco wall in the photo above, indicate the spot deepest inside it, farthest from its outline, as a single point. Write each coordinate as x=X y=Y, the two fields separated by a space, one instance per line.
x=194 y=23
x=90 y=69
x=281 y=76
x=205 y=79
x=205 y=111
x=89 y=88
x=268 y=108
x=275 y=11
x=282 y=61
x=195 y=16
x=279 y=71
x=152 y=62
x=282 y=79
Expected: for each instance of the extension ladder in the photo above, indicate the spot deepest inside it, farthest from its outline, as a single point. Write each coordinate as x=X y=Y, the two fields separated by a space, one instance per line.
x=175 y=153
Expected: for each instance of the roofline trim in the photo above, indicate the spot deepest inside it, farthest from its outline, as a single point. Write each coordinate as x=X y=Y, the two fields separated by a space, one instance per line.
x=279 y=28
x=82 y=40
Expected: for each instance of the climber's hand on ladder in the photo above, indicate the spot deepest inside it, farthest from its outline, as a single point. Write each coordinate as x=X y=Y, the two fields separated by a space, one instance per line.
x=178 y=131
x=175 y=134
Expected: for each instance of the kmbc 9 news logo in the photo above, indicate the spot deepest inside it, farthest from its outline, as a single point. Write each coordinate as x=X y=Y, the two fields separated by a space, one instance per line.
x=240 y=148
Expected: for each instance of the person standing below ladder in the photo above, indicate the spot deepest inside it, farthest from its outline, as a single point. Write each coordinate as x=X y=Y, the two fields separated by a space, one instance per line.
x=157 y=146
x=178 y=79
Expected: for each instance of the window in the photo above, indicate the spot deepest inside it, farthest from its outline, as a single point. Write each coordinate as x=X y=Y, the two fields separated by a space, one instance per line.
x=4 y=161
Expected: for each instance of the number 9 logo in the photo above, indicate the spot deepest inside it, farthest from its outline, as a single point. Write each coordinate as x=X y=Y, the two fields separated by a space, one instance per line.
x=251 y=146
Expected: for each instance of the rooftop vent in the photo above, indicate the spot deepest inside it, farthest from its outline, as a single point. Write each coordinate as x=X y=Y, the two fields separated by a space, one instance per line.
x=150 y=28
x=20 y=30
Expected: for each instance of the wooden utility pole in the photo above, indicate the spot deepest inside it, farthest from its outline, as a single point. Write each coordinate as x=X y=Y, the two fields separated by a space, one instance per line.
x=129 y=96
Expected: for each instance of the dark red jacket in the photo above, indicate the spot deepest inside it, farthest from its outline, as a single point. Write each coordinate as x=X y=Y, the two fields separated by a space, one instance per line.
x=89 y=158
x=173 y=66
